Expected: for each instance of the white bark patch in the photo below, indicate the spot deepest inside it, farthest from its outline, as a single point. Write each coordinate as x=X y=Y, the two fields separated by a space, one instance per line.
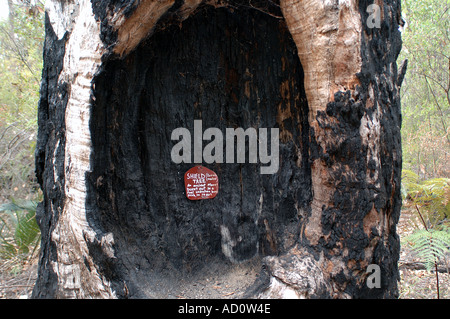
x=227 y=243
x=62 y=16
x=81 y=62
x=279 y=290
x=370 y=131
x=55 y=173
x=294 y=275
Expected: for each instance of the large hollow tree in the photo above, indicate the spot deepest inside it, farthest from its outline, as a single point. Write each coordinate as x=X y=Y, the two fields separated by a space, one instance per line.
x=120 y=76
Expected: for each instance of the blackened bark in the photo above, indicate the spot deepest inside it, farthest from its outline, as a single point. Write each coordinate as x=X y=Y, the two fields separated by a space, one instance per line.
x=229 y=70
x=50 y=154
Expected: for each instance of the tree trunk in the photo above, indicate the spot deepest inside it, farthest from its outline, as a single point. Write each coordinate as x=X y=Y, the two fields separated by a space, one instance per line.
x=120 y=77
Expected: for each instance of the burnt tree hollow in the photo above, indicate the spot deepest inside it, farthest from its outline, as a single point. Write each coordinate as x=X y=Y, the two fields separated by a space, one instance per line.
x=231 y=70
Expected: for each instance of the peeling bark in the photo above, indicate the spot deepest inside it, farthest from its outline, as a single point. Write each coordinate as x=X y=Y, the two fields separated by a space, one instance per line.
x=119 y=76
x=354 y=119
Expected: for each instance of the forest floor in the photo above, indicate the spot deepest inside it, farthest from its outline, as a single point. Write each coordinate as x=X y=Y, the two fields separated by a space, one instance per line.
x=17 y=280
x=419 y=283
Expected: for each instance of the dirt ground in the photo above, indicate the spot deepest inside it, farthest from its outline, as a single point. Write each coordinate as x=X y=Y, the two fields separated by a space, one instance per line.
x=215 y=281
x=419 y=283
x=16 y=281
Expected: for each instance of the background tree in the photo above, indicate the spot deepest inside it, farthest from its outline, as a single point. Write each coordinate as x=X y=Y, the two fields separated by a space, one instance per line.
x=425 y=94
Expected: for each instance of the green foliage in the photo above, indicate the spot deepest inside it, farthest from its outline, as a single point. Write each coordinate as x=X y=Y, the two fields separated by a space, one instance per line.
x=431 y=196
x=431 y=200
x=430 y=244
x=426 y=89
x=425 y=96
x=21 y=42
x=19 y=231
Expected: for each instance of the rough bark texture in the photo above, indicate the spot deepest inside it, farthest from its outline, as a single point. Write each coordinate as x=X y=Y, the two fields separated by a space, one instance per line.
x=119 y=76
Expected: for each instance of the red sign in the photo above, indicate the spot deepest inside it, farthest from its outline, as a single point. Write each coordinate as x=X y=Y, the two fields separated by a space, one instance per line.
x=201 y=183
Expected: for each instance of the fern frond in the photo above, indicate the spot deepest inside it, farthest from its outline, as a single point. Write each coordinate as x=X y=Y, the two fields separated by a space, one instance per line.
x=432 y=196
x=22 y=231
x=409 y=176
x=430 y=245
